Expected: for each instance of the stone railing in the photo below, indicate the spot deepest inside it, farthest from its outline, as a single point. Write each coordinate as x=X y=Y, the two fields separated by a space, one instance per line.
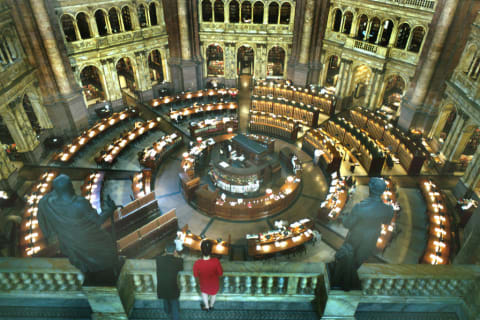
x=404 y=55
x=254 y=28
x=427 y=5
x=438 y=288
x=241 y=281
x=99 y=43
x=468 y=86
x=366 y=47
x=337 y=37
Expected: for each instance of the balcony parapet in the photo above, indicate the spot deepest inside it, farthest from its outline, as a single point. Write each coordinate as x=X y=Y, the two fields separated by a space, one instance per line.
x=366 y=47
x=116 y=39
x=426 y=5
x=469 y=86
x=249 y=28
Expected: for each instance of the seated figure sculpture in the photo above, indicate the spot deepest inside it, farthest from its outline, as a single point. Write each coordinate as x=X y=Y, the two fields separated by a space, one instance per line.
x=365 y=224
x=78 y=227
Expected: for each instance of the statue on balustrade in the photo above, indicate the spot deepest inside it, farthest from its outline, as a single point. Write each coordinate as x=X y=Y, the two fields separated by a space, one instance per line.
x=78 y=227
x=365 y=224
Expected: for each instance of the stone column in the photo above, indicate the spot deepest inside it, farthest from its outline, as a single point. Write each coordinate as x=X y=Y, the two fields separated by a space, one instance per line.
x=107 y=23
x=166 y=70
x=347 y=86
x=120 y=21
x=393 y=36
x=300 y=74
x=77 y=32
x=353 y=30
x=15 y=129
x=380 y=34
x=93 y=25
x=416 y=95
x=6 y=166
x=40 y=112
x=367 y=32
x=460 y=144
x=184 y=30
x=145 y=84
x=341 y=78
x=453 y=134
x=376 y=84
x=226 y=12
x=230 y=64
x=265 y=13
x=260 y=61
x=111 y=82
x=471 y=176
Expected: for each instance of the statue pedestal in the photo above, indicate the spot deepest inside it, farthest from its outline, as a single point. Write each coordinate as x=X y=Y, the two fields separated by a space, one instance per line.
x=105 y=303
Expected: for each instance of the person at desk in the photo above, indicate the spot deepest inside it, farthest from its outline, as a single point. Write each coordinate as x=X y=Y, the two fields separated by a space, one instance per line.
x=364 y=224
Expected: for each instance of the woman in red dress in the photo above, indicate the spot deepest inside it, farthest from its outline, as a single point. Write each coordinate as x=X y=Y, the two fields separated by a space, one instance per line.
x=208 y=270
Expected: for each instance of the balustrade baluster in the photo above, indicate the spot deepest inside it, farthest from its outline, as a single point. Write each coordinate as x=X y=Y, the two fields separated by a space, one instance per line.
x=248 y=284
x=313 y=285
x=237 y=288
x=280 y=284
x=193 y=283
x=259 y=285
x=183 y=284
x=269 y=285
x=303 y=285
x=226 y=284
x=292 y=285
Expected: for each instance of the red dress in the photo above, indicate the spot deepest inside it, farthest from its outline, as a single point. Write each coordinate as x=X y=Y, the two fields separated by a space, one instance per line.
x=208 y=272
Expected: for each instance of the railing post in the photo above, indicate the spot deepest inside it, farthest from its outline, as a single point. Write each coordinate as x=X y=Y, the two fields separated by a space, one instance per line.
x=292 y=285
x=226 y=284
x=259 y=285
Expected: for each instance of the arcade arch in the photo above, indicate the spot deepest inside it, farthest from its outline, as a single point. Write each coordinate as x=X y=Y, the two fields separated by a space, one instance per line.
x=93 y=85
x=276 y=62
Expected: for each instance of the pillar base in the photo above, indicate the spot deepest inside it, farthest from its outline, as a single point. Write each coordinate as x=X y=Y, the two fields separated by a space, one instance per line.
x=300 y=74
x=68 y=114
x=146 y=96
x=407 y=114
x=105 y=303
x=185 y=75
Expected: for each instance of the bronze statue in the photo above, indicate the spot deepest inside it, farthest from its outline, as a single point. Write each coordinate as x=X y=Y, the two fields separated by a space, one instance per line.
x=364 y=224
x=78 y=227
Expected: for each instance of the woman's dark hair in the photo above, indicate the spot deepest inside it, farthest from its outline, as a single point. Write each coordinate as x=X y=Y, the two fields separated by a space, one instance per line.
x=206 y=247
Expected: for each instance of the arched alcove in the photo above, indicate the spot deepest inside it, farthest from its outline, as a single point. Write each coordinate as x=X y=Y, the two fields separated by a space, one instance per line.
x=126 y=74
x=347 y=26
x=156 y=67
x=245 y=60
x=219 y=11
x=394 y=91
x=402 y=37
x=276 y=62
x=215 y=62
x=285 y=12
x=113 y=17
x=127 y=19
x=142 y=16
x=207 y=11
x=417 y=38
x=360 y=81
x=273 y=11
x=234 y=11
x=152 y=8
x=68 y=27
x=100 y=19
x=83 y=25
x=246 y=12
x=31 y=115
x=337 y=20
x=332 y=70
x=258 y=12
x=93 y=85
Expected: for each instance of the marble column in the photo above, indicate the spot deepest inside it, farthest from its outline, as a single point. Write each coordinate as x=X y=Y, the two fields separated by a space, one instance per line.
x=471 y=176
x=40 y=112
x=460 y=144
x=111 y=82
x=300 y=75
x=353 y=30
x=341 y=78
x=376 y=91
x=184 y=30
x=6 y=166
x=166 y=70
x=416 y=96
x=453 y=134
x=230 y=57
x=393 y=35
x=93 y=25
x=15 y=128
x=347 y=86
x=77 y=32
x=145 y=84
x=70 y=113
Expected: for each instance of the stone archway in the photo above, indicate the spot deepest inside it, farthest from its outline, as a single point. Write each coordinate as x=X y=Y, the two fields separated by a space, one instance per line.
x=93 y=85
x=245 y=60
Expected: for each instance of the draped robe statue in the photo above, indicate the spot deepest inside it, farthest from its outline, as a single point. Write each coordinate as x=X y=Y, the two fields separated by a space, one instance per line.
x=78 y=227
x=364 y=224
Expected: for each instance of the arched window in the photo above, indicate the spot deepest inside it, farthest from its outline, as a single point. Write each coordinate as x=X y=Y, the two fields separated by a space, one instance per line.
x=347 y=26
x=83 y=26
x=337 y=20
x=245 y=60
x=156 y=68
x=207 y=11
x=362 y=27
x=468 y=59
x=246 y=12
x=153 y=14
x=402 y=38
x=93 y=85
x=374 y=29
x=417 y=38
x=68 y=27
x=273 y=13
x=215 y=63
x=126 y=74
x=114 y=21
x=387 y=33
x=127 y=19
x=258 y=12
x=234 y=11
x=100 y=19
x=219 y=11
x=285 y=12
x=332 y=71
x=142 y=16
x=276 y=62
x=473 y=71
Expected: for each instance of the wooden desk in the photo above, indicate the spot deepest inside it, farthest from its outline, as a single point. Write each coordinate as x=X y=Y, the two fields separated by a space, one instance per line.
x=141 y=184
x=92 y=189
x=272 y=125
x=190 y=96
x=318 y=139
x=121 y=143
x=32 y=240
x=201 y=109
x=194 y=242
x=213 y=126
x=153 y=156
x=304 y=114
x=78 y=143
x=336 y=199
x=276 y=241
